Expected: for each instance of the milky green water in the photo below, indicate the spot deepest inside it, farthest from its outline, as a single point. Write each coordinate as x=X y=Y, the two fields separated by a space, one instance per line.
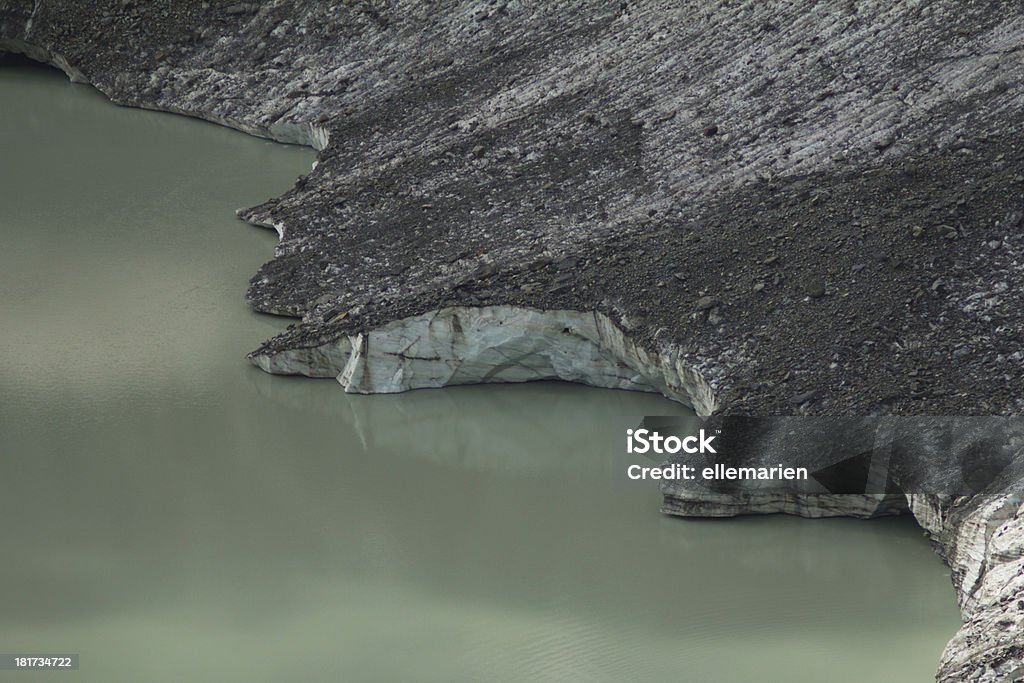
x=171 y=513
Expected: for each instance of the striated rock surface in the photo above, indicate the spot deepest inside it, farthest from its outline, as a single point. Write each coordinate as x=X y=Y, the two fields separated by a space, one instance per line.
x=751 y=207
x=982 y=539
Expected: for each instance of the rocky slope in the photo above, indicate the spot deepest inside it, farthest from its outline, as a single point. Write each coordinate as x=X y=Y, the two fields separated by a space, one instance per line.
x=752 y=207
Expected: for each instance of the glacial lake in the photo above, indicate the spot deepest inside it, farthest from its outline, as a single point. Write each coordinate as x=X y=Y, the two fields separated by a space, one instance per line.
x=170 y=513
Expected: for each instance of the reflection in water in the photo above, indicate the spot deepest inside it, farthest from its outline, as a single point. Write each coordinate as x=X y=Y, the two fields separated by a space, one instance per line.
x=174 y=514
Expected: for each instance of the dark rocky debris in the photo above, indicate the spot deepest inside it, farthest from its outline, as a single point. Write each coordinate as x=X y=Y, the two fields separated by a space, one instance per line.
x=833 y=176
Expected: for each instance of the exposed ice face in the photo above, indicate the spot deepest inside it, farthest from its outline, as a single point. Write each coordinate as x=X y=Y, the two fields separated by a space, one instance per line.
x=470 y=345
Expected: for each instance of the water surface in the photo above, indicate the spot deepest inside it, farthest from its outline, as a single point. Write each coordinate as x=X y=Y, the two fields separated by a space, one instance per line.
x=173 y=514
